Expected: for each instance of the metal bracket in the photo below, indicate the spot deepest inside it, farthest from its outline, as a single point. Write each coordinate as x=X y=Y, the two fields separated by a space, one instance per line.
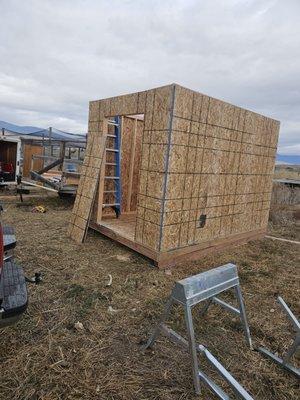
x=189 y=292
x=284 y=362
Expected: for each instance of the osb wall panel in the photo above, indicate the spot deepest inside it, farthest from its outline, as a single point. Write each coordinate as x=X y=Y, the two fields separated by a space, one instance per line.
x=137 y=163
x=156 y=105
x=127 y=137
x=221 y=162
x=128 y=144
x=153 y=165
x=87 y=184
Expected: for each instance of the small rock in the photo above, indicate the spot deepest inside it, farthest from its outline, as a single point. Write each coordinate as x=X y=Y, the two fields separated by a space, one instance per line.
x=272 y=310
x=78 y=326
x=64 y=364
x=109 y=280
x=168 y=272
x=112 y=310
x=123 y=258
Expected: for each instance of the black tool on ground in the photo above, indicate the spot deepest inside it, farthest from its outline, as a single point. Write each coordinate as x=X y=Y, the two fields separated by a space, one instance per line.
x=36 y=279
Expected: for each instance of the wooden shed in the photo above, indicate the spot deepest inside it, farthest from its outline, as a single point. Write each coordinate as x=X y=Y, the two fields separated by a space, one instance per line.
x=196 y=174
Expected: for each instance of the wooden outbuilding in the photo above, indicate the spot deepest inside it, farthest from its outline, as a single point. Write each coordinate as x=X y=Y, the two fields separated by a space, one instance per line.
x=196 y=174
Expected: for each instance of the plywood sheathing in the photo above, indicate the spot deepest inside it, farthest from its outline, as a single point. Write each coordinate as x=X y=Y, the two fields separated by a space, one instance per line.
x=156 y=106
x=221 y=165
x=199 y=155
x=87 y=187
x=154 y=159
x=132 y=131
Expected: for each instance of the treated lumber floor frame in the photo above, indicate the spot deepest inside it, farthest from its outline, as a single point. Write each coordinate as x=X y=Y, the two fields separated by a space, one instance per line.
x=172 y=258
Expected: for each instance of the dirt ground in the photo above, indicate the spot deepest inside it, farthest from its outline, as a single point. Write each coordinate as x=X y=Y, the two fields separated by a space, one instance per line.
x=45 y=357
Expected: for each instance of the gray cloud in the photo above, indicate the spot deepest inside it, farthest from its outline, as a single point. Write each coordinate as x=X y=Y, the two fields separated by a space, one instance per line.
x=58 y=55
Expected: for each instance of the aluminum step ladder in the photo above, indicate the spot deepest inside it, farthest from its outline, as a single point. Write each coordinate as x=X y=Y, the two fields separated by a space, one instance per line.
x=114 y=193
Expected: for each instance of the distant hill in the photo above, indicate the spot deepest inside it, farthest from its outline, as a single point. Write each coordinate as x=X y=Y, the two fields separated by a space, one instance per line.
x=19 y=129
x=285 y=159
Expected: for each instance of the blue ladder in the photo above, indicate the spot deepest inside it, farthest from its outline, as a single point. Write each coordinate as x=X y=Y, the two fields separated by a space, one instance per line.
x=117 y=192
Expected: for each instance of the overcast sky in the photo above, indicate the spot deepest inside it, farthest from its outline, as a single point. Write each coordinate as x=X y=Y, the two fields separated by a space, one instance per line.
x=56 y=56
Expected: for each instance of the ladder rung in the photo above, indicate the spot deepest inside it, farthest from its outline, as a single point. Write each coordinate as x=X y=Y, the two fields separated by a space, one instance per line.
x=113 y=123
x=112 y=177
x=109 y=191
x=114 y=150
x=110 y=205
x=114 y=136
x=110 y=163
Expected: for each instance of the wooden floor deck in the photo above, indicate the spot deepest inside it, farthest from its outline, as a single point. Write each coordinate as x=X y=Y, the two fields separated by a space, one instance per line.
x=122 y=230
x=123 y=226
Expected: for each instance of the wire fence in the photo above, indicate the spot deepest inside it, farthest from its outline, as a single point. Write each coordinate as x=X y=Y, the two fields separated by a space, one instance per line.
x=50 y=134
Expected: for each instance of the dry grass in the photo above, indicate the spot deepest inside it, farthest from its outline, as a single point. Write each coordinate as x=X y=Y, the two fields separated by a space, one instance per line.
x=285 y=195
x=45 y=357
x=285 y=212
x=287 y=172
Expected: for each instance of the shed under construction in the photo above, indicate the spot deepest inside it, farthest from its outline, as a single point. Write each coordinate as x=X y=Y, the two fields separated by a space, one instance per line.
x=196 y=174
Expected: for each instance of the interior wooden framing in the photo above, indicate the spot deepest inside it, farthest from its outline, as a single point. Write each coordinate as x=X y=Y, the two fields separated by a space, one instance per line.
x=8 y=155
x=195 y=156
